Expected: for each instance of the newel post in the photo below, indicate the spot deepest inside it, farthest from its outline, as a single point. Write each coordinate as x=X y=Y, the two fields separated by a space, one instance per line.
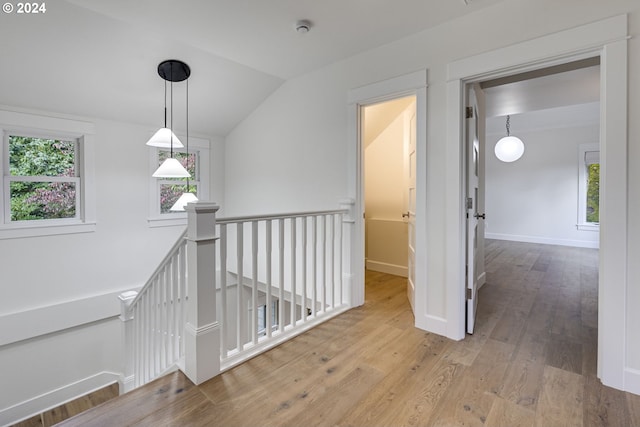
x=202 y=331
x=127 y=378
x=355 y=295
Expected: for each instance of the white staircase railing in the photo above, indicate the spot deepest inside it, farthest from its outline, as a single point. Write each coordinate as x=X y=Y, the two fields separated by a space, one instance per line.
x=279 y=275
x=231 y=288
x=154 y=320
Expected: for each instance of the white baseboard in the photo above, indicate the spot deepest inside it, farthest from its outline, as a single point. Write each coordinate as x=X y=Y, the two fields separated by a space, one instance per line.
x=543 y=240
x=384 y=267
x=632 y=380
x=434 y=324
x=57 y=397
x=482 y=279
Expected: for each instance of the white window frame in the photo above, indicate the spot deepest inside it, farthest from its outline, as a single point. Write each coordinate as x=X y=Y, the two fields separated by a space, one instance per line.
x=196 y=145
x=34 y=125
x=583 y=176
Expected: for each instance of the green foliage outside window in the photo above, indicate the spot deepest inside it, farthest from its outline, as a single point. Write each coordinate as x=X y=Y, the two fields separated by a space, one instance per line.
x=172 y=188
x=593 y=193
x=40 y=198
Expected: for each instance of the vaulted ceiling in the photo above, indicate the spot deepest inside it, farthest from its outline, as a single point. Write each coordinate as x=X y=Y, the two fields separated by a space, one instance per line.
x=98 y=58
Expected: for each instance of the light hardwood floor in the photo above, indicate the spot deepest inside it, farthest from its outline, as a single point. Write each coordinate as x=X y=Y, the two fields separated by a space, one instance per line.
x=530 y=362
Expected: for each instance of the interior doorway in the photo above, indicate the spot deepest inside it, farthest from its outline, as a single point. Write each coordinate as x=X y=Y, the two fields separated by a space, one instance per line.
x=388 y=139
x=606 y=39
x=540 y=197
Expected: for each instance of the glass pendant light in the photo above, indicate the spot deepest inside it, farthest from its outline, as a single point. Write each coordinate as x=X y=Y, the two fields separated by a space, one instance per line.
x=171 y=70
x=509 y=148
x=164 y=136
x=180 y=204
x=171 y=168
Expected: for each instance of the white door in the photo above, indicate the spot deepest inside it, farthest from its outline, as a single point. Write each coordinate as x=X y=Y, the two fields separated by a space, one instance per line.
x=475 y=200
x=410 y=197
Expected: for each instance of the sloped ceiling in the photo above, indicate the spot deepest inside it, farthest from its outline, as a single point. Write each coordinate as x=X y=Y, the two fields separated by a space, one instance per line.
x=98 y=58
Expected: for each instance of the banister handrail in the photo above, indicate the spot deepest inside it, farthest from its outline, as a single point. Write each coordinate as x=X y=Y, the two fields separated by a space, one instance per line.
x=267 y=217
x=230 y=220
x=179 y=242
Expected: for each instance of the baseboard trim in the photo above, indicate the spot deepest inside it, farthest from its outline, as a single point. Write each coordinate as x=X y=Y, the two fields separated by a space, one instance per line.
x=543 y=240
x=482 y=279
x=434 y=324
x=57 y=397
x=384 y=267
x=632 y=380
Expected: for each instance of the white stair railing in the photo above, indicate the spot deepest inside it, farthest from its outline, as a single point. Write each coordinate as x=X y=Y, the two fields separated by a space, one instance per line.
x=279 y=276
x=231 y=288
x=154 y=320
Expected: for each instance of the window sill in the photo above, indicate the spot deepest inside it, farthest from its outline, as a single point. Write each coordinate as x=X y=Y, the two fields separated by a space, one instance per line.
x=18 y=231
x=588 y=227
x=171 y=221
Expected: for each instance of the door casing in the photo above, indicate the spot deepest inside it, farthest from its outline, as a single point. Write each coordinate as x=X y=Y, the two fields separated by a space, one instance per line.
x=412 y=84
x=608 y=40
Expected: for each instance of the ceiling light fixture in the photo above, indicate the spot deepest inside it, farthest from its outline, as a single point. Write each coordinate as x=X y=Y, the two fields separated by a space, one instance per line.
x=509 y=148
x=171 y=71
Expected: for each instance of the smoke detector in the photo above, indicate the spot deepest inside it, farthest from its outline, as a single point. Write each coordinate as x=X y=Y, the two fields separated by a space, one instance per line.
x=303 y=26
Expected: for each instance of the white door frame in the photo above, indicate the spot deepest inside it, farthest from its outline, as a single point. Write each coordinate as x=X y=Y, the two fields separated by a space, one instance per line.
x=608 y=40
x=406 y=85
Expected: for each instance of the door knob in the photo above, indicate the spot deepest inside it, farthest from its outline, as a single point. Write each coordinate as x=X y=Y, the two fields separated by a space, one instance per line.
x=477 y=215
x=405 y=215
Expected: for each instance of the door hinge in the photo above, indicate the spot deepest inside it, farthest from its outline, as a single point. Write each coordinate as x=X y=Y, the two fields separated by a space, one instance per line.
x=469 y=203
x=468 y=112
x=469 y=293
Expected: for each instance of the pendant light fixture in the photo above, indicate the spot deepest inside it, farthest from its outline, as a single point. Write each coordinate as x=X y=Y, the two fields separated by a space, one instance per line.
x=187 y=196
x=509 y=148
x=171 y=71
x=164 y=136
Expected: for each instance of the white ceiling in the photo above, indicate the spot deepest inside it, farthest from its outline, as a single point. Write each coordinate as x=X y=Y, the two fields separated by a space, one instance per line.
x=569 y=98
x=98 y=58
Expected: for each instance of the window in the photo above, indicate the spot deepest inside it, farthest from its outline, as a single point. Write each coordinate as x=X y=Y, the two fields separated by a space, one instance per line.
x=262 y=318
x=166 y=191
x=589 y=187
x=172 y=188
x=46 y=181
x=42 y=178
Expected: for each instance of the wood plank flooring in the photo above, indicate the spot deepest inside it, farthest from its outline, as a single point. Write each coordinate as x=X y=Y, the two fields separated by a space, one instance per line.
x=531 y=362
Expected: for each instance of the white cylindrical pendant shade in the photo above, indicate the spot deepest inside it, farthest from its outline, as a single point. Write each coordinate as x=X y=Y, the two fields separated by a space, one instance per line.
x=171 y=168
x=509 y=149
x=162 y=139
x=182 y=201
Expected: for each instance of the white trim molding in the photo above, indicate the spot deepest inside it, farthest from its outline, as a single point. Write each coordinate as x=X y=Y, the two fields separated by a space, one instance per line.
x=405 y=85
x=49 y=126
x=543 y=240
x=606 y=39
x=53 y=318
x=54 y=398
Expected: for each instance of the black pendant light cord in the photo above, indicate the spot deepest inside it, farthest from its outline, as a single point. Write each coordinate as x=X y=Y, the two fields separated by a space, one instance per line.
x=171 y=110
x=165 y=103
x=188 y=135
x=508 y=125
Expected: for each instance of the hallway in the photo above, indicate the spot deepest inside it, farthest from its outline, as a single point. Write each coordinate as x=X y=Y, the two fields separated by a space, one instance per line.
x=531 y=362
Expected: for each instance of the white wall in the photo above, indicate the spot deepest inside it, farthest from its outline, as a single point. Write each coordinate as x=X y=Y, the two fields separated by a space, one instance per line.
x=291 y=153
x=47 y=281
x=385 y=186
x=535 y=199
